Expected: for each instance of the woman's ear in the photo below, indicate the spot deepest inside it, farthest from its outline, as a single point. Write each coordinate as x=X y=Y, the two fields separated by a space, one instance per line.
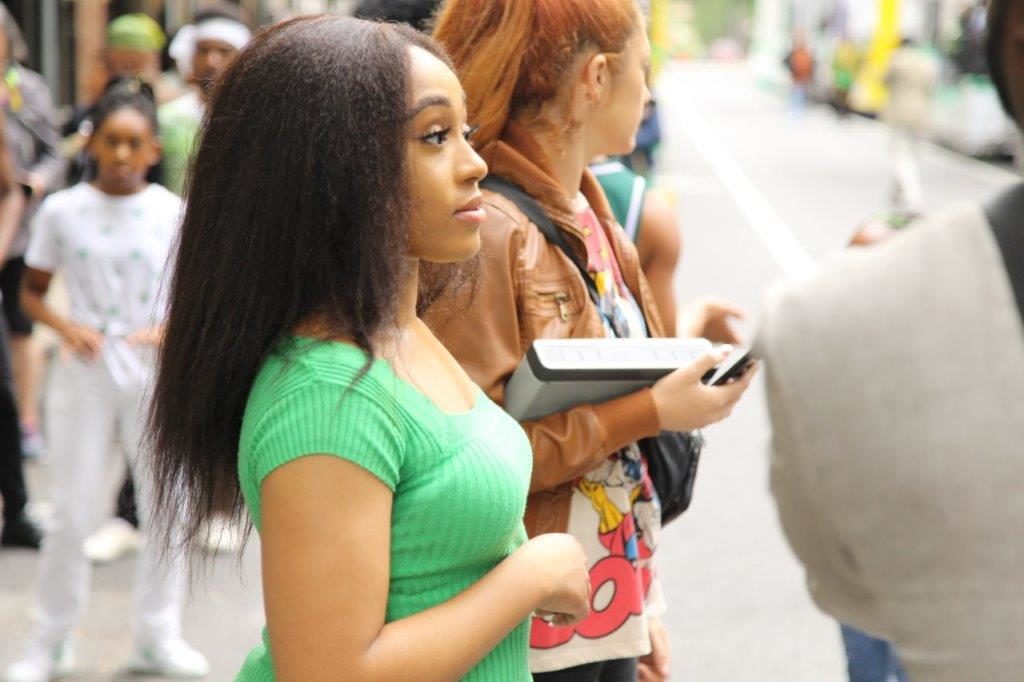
x=596 y=77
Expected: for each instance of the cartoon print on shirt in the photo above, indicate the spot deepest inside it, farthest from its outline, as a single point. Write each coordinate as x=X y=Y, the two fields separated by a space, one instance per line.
x=620 y=580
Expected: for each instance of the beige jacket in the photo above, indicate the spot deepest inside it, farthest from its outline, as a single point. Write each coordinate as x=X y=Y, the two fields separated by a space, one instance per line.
x=896 y=389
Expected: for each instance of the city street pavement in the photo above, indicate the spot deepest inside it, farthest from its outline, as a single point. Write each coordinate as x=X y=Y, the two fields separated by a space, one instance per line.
x=762 y=195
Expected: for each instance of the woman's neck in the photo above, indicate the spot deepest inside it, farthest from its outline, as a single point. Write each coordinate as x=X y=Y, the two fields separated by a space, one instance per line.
x=409 y=296
x=566 y=151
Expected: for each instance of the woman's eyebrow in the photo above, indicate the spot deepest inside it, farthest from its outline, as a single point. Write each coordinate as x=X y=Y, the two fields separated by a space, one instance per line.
x=431 y=101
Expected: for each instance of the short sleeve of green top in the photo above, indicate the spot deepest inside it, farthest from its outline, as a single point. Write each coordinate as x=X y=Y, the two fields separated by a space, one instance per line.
x=459 y=481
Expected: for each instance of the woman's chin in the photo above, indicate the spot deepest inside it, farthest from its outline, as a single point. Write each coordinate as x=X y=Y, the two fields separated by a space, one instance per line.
x=461 y=254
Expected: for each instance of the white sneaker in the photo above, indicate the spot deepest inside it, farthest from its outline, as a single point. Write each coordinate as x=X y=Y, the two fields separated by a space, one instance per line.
x=42 y=663
x=221 y=535
x=114 y=540
x=172 y=657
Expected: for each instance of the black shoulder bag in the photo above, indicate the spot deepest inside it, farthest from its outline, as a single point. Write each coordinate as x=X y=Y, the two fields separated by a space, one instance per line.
x=672 y=456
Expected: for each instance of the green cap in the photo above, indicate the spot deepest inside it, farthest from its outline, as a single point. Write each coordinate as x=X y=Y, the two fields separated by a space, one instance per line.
x=135 y=32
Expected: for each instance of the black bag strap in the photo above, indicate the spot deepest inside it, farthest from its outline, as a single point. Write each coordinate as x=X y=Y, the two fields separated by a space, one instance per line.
x=532 y=210
x=1006 y=216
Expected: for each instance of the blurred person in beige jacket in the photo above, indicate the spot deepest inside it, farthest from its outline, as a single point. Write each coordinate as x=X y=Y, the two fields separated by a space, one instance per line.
x=912 y=78
x=895 y=382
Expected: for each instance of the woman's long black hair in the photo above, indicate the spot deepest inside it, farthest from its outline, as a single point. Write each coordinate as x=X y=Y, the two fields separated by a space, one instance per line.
x=297 y=207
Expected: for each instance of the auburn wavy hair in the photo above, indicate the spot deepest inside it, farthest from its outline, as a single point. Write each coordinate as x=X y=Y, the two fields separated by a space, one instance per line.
x=513 y=54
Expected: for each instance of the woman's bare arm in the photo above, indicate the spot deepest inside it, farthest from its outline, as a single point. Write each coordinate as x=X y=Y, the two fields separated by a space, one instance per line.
x=326 y=548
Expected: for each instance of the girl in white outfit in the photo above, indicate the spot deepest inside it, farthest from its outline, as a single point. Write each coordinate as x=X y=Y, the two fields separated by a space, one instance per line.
x=110 y=239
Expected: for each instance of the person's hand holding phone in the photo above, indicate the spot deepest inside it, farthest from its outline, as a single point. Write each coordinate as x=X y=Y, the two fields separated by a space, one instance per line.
x=685 y=403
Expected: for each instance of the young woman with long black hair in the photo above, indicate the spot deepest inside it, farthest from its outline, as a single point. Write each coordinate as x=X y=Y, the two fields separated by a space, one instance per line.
x=297 y=381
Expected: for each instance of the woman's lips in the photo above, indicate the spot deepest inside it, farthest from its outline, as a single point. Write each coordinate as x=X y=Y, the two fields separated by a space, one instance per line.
x=473 y=211
x=473 y=215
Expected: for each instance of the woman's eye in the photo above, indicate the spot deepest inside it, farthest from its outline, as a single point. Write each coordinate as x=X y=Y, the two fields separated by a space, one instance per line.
x=469 y=131
x=438 y=138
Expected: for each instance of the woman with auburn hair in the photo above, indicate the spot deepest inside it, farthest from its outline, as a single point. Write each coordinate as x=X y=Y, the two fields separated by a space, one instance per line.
x=552 y=85
x=297 y=381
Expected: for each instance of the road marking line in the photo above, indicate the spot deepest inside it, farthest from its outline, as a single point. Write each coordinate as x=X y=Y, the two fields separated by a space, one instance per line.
x=764 y=220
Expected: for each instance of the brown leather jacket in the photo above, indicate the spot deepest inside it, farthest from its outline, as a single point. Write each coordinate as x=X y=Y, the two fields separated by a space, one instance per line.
x=529 y=289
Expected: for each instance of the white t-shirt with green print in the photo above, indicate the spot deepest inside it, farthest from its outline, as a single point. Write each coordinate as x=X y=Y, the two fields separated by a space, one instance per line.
x=113 y=253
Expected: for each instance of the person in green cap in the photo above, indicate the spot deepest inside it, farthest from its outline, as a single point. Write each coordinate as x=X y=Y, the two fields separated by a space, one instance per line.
x=133 y=47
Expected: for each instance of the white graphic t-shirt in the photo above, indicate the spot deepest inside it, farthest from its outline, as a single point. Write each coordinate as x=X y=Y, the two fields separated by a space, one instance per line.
x=112 y=252
x=614 y=512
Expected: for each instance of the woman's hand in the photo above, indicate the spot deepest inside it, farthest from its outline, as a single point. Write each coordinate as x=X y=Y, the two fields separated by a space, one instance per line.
x=83 y=341
x=657 y=665
x=711 y=318
x=684 y=403
x=149 y=336
x=560 y=565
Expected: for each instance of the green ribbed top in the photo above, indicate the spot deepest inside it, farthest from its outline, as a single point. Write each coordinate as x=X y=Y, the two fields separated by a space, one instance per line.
x=459 y=481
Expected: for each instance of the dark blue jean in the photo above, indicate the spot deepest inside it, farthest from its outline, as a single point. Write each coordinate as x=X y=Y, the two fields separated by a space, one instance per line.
x=869 y=659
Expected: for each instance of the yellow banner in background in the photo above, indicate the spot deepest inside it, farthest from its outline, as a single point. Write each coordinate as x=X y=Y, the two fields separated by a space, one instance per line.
x=660 y=37
x=869 y=93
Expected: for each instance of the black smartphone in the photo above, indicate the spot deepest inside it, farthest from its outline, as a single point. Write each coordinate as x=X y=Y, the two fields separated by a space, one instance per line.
x=730 y=369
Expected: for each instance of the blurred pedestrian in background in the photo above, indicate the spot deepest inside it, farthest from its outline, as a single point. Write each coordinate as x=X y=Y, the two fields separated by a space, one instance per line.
x=845 y=64
x=387 y=490
x=912 y=78
x=131 y=50
x=39 y=166
x=553 y=86
x=896 y=392
x=205 y=48
x=18 y=529
x=799 y=63
x=110 y=239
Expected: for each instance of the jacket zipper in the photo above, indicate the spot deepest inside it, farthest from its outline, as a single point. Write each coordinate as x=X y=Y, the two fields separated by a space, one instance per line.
x=562 y=299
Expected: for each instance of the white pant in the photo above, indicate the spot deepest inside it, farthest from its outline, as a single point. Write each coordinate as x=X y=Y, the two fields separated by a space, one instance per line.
x=84 y=407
